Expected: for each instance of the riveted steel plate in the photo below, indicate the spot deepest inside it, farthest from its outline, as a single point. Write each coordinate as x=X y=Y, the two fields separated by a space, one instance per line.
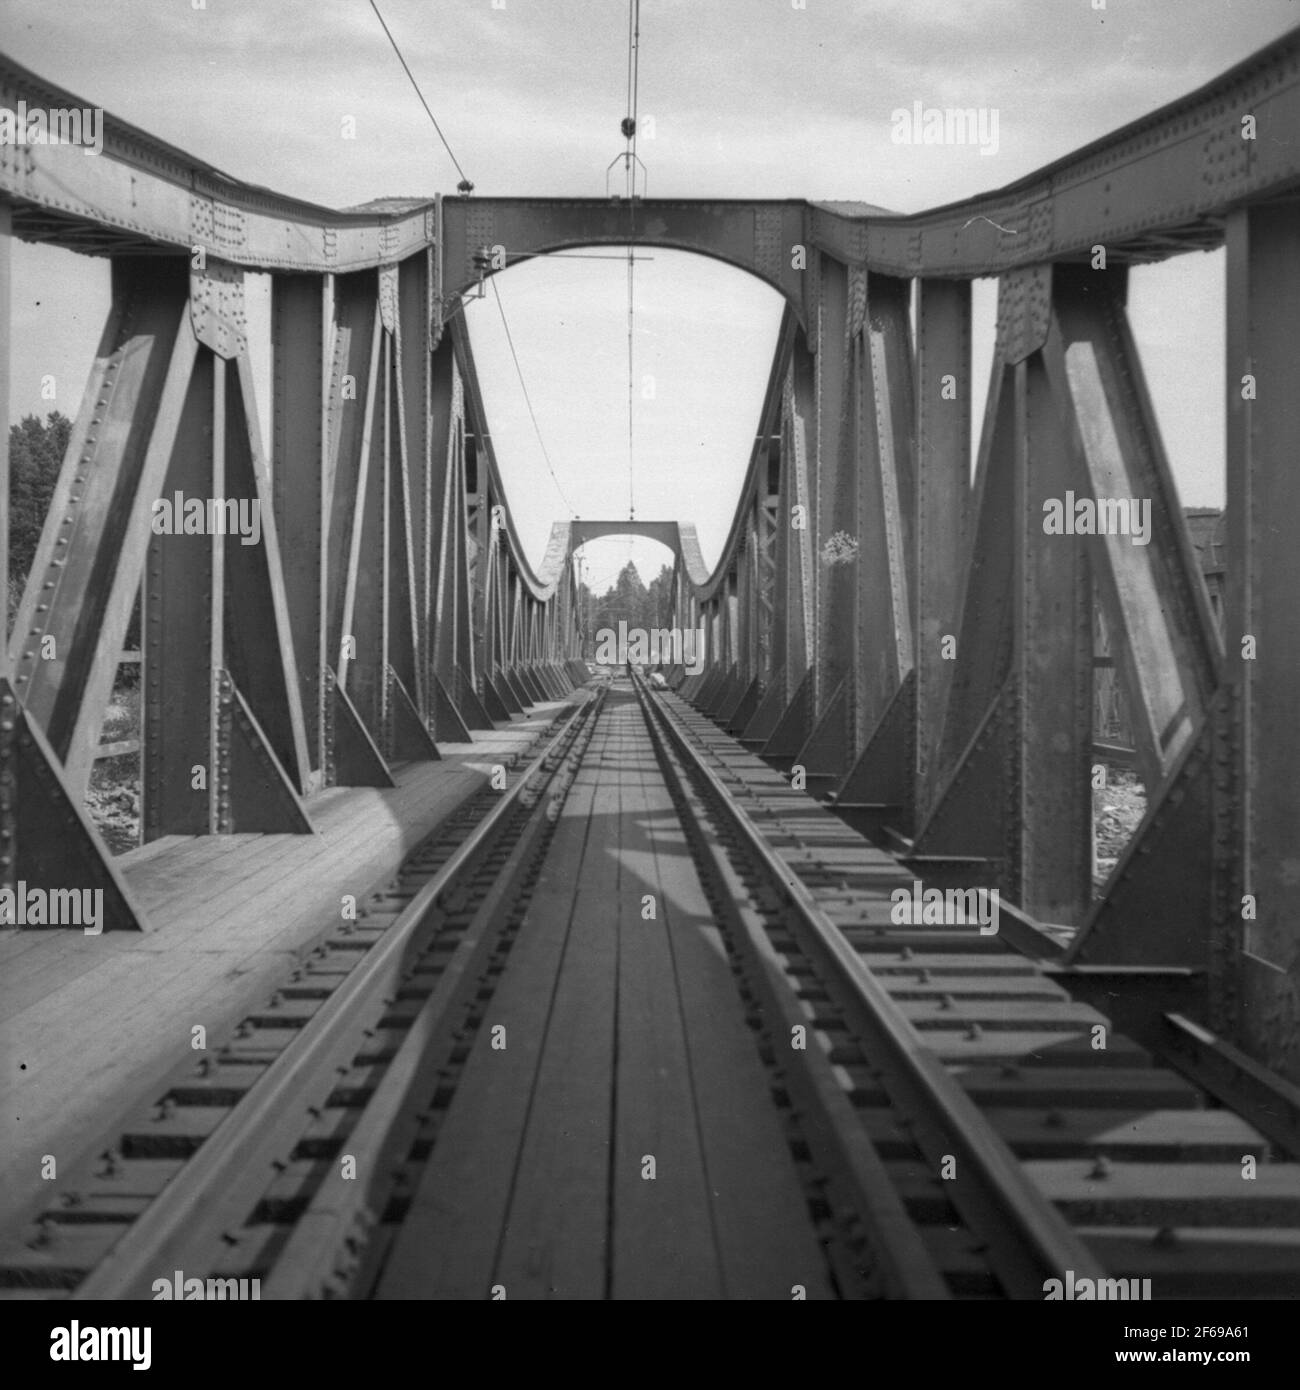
x=1024 y=311
x=388 y=297
x=768 y=251
x=217 y=308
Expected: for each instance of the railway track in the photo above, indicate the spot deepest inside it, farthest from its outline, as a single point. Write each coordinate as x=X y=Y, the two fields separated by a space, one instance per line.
x=237 y=1150
x=955 y=1129
x=1026 y=1138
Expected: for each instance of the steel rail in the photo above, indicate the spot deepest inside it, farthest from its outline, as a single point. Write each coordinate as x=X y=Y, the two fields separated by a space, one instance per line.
x=1028 y=1240
x=322 y=1253
x=212 y=1194
x=887 y=1257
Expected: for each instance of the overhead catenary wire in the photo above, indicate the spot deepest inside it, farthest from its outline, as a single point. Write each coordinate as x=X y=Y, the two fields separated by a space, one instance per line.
x=523 y=386
x=466 y=186
x=574 y=256
x=631 y=393
x=633 y=35
x=405 y=68
x=629 y=165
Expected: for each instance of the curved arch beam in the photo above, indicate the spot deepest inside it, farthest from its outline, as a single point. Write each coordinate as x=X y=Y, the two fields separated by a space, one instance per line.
x=753 y=235
x=539 y=586
x=678 y=536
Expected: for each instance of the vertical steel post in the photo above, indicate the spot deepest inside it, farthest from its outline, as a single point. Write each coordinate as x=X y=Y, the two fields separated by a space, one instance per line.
x=832 y=483
x=6 y=331
x=1258 y=808
x=1053 y=607
x=300 y=406
x=943 y=438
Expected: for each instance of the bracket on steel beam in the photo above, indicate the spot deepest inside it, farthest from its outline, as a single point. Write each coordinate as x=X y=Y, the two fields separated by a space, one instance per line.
x=388 y=297
x=880 y=790
x=354 y=757
x=511 y=683
x=492 y=701
x=217 y=308
x=1024 y=311
x=763 y=717
x=722 y=694
x=793 y=727
x=742 y=710
x=970 y=819
x=448 y=723
x=828 y=750
x=1157 y=906
x=408 y=736
x=255 y=793
x=474 y=713
x=705 y=688
x=55 y=846
x=506 y=692
x=528 y=685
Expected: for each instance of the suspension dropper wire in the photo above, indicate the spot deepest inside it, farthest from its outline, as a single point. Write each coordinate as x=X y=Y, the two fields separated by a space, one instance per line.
x=466 y=184
x=629 y=167
x=523 y=386
x=418 y=92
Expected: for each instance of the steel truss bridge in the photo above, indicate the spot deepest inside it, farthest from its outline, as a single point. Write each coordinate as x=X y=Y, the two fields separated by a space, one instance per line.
x=907 y=637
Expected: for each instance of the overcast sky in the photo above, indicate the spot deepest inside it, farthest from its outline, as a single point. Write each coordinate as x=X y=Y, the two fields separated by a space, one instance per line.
x=746 y=98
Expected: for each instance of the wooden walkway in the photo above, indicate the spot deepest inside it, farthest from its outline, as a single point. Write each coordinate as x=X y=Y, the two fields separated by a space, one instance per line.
x=90 y=1023
x=624 y=1144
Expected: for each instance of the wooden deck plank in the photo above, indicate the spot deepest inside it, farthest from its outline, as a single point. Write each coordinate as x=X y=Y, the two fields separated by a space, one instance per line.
x=1156 y=1137
x=164 y=879
x=1143 y=1136
x=1224 y=1262
x=663 y=1244
x=765 y=1239
x=941 y=965
x=964 y=990
x=1150 y=1087
x=68 y=1063
x=17 y=942
x=448 y=1244
x=62 y=956
x=1191 y=1194
x=1051 y=1015
x=555 y=1240
x=295 y=869
x=1036 y=1048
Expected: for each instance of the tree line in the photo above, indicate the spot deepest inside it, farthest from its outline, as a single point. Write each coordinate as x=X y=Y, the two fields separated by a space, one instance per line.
x=36 y=450
x=627 y=600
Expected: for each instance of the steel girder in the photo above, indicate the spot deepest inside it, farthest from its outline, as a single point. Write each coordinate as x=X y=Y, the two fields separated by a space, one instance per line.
x=169 y=415
x=1255 y=784
x=944 y=388
x=6 y=257
x=316 y=649
x=756 y=605
x=1067 y=411
x=819 y=566
x=1159 y=186
x=142 y=196
x=754 y=235
x=948 y=695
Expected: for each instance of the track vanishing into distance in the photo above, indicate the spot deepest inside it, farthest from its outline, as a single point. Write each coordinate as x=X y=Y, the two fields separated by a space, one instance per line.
x=641 y=1026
